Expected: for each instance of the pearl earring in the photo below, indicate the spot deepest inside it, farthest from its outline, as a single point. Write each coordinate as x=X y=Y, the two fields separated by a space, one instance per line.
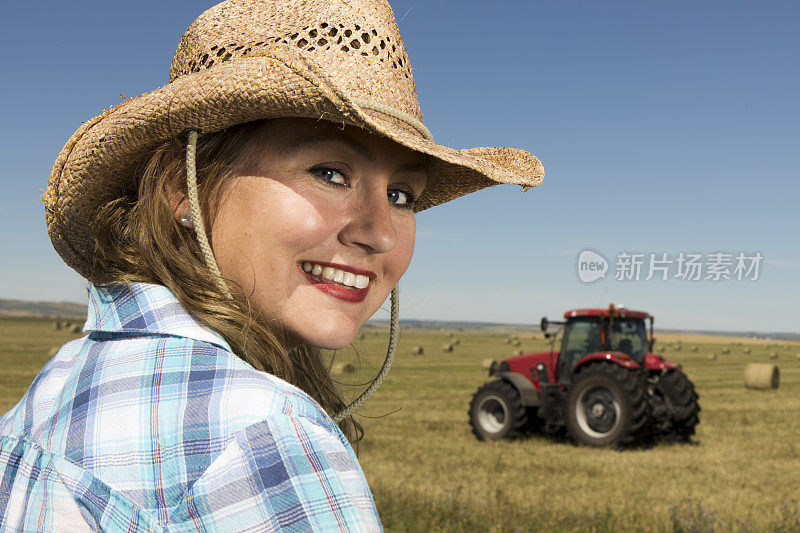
x=185 y=220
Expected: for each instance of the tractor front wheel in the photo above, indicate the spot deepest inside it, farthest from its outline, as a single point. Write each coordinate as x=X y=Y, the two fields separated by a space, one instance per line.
x=606 y=405
x=497 y=412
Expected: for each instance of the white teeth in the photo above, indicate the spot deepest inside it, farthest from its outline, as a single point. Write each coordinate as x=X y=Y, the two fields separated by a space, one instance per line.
x=336 y=275
x=328 y=273
x=349 y=279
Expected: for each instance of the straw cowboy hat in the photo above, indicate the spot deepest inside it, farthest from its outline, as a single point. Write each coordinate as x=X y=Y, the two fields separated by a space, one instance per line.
x=337 y=60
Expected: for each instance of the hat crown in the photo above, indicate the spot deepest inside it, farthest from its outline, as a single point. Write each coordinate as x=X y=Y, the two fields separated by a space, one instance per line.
x=355 y=42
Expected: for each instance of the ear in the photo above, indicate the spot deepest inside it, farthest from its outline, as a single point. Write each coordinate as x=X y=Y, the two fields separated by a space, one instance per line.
x=178 y=201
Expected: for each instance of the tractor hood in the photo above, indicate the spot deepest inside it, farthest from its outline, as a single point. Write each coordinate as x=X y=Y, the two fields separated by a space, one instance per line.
x=656 y=362
x=523 y=364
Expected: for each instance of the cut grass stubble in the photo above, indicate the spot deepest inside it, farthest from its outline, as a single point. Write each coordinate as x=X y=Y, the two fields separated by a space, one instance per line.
x=429 y=473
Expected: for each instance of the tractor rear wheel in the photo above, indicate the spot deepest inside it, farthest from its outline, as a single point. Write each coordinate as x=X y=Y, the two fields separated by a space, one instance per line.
x=607 y=405
x=497 y=412
x=682 y=406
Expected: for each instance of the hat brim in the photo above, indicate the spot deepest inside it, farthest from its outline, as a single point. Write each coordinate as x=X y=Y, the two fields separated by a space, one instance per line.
x=98 y=163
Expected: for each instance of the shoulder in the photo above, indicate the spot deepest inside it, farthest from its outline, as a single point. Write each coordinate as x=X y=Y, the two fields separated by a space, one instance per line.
x=204 y=384
x=283 y=472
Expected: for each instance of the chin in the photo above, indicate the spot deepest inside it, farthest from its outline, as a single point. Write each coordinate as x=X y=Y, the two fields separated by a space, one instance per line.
x=331 y=334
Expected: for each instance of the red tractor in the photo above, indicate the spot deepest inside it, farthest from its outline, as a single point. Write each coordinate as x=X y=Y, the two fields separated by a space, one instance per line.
x=604 y=387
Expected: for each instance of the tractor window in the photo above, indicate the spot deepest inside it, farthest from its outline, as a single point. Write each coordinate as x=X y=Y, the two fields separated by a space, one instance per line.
x=629 y=336
x=582 y=337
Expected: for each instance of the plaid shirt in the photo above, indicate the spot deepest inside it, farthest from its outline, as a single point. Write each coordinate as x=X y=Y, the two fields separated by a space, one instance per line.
x=150 y=423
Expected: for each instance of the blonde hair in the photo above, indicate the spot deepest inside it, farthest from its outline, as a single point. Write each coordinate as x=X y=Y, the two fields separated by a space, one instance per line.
x=139 y=240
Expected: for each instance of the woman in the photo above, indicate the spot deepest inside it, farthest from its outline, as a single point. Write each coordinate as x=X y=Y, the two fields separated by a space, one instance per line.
x=257 y=208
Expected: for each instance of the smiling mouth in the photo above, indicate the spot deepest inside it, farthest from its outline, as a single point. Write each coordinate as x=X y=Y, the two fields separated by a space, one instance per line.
x=333 y=274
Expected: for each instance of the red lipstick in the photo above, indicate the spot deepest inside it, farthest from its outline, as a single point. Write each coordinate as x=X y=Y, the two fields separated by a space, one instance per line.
x=342 y=292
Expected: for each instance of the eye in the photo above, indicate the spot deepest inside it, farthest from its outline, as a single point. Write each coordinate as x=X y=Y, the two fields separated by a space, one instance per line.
x=400 y=198
x=331 y=176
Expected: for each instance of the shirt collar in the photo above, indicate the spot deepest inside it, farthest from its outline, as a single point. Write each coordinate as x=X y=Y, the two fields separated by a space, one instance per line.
x=145 y=309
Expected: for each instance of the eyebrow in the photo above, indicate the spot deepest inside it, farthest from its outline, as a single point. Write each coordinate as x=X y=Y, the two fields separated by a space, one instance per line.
x=317 y=138
x=413 y=168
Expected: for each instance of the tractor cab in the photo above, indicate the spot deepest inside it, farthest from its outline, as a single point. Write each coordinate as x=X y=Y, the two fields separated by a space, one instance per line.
x=593 y=331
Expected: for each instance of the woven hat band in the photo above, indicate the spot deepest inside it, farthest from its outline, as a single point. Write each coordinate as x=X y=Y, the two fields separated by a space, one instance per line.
x=399 y=115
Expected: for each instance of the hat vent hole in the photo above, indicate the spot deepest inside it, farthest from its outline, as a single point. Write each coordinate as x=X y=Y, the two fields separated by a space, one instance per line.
x=366 y=42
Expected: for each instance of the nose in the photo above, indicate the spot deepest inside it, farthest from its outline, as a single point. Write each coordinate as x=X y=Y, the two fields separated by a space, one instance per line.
x=371 y=225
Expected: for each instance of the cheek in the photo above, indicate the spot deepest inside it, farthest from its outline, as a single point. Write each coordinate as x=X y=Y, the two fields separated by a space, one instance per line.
x=261 y=229
x=403 y=252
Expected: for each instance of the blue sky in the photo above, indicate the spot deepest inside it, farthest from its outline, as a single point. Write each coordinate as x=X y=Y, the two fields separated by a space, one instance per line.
x=663 y=128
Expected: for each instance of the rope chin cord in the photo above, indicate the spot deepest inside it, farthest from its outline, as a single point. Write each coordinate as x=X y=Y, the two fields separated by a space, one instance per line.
x=211 y=263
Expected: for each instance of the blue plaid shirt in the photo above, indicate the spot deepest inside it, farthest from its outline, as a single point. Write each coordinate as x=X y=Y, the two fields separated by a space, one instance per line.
x=150 y=423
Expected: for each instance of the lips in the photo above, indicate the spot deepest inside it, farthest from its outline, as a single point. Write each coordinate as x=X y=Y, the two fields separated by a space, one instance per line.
x=340 y=281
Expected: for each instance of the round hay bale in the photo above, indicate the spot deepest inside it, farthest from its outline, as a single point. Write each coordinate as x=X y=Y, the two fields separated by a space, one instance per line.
x=344 y=368
x=457 y=342
x=695 y=348
x=746 y=350
x=761 y=376
x=797 y=356
x=774 y=356
x=726 y=350
x=76 y=328
x=677 y=348
x=447 y=347
x=451 y=334
x=515 y=342
x=516 y=352
x=53 y=351
x=57 y=325
x=508 y=341
x=712 y=357
x=418 y=350
x=487 y=363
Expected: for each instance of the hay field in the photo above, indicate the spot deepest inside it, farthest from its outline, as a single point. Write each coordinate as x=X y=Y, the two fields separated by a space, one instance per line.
x=428 y=472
